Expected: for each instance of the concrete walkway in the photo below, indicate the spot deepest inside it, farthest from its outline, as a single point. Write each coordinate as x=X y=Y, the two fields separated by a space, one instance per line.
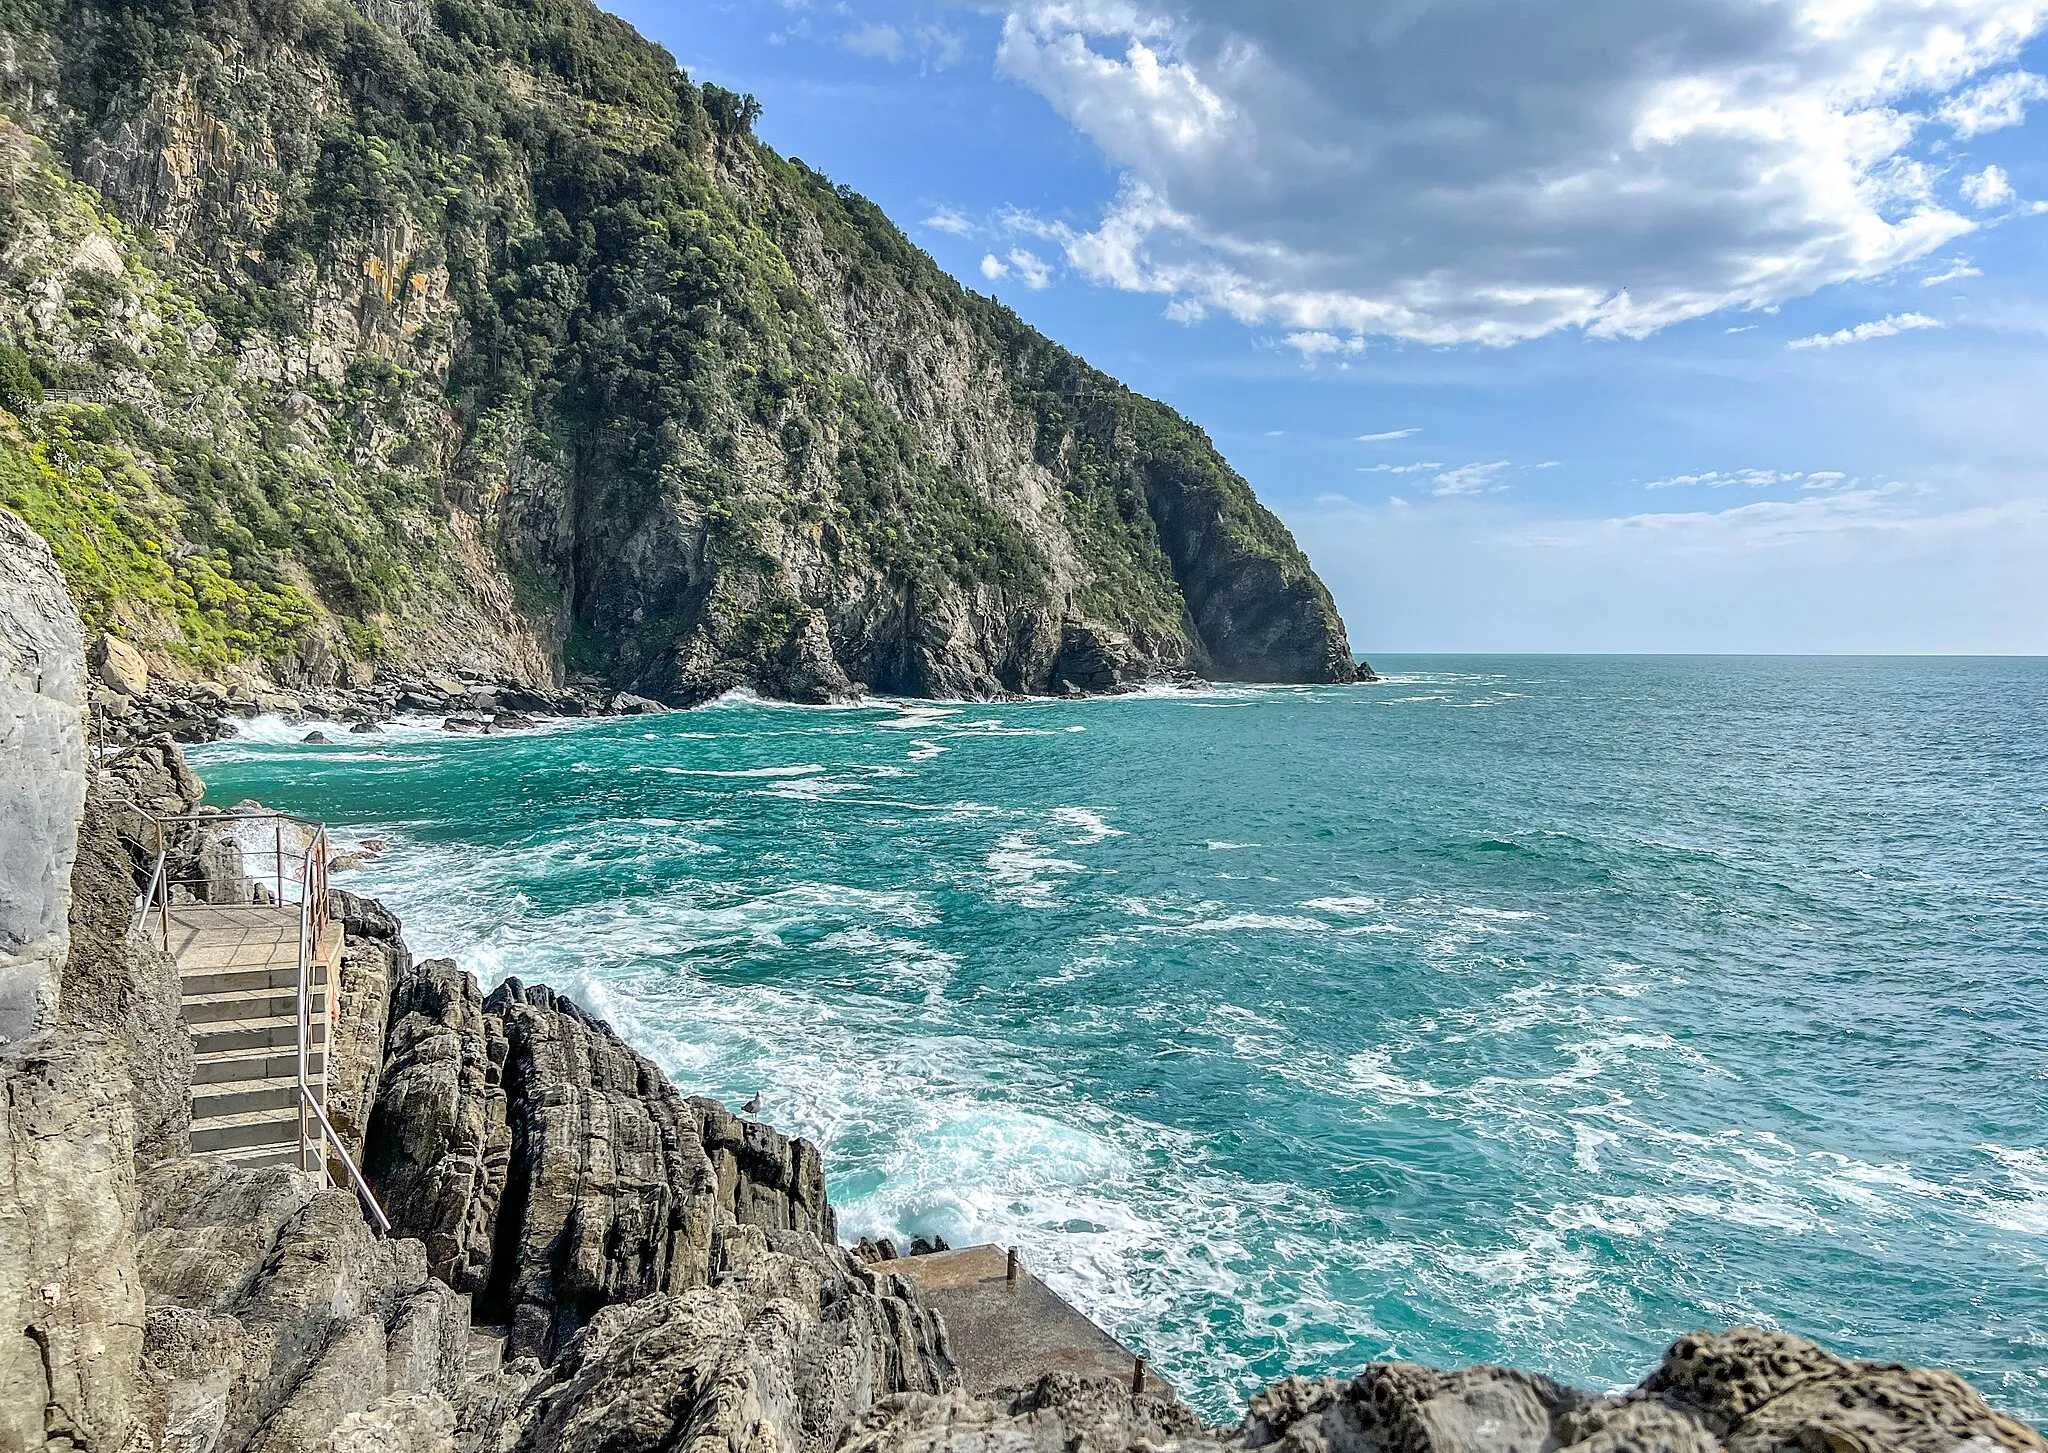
x=1009 y=1334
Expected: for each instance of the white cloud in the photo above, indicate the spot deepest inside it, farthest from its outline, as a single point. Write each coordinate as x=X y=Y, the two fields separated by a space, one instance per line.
x=1186 y=310
x=952 y=220
x=934 y=47
x=1611 y=166
x=1719 y=478
x=1988 y=188
x=1470 y=479
x=993 y=267
x=882 y=42
x=1420 y=467
x=1958 y=268
x=1031 y=269
x=1862 y=332
x=1998 y=103
x=1315 y=343
x=1386 y=434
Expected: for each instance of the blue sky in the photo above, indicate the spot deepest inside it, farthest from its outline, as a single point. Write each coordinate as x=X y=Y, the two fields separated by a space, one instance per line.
x=1697 y=325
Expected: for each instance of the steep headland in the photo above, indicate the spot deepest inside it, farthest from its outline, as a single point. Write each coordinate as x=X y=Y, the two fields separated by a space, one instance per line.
x=582 y=1257
x=339 y=339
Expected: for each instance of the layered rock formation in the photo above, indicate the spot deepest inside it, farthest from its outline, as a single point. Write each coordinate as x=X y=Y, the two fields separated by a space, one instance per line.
x=378 y=338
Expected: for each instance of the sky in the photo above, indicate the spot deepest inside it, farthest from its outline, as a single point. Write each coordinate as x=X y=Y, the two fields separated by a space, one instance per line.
x=1623 y=325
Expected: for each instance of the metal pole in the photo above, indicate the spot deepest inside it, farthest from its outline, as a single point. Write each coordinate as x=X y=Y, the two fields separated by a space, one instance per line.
x=279 y=831
x=1138 y=1377
x=1010 y=1267
x=163 y=913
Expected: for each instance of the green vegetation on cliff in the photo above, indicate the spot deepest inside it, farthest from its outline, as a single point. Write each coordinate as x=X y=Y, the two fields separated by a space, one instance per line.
x=477 y=332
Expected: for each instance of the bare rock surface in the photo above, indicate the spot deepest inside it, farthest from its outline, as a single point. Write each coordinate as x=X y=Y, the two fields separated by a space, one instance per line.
x=42 y=785
x=552 y=1171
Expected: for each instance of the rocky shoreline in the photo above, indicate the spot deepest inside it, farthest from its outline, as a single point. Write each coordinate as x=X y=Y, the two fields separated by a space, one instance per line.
x=132 y=703
x=583 y=1258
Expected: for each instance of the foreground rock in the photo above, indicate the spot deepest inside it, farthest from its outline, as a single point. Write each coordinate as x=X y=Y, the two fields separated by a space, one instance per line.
x=1745 y=1391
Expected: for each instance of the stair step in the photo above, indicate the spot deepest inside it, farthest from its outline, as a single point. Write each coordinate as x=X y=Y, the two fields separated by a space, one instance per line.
x=255 y=1156
x=233 y=1100
x=278 y=1032
x=237 y=1132
x=243 y=981
x=235 y=1006
x=234 y=1066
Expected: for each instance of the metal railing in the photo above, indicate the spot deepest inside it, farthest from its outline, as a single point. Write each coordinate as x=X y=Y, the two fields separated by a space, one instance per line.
x=310 y=875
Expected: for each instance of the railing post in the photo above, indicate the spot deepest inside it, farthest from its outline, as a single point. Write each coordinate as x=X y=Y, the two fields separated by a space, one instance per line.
x=278 y=834
x=163 y=914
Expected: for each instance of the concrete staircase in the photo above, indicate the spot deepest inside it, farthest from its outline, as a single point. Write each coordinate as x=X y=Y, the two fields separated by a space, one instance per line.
x=238 y=970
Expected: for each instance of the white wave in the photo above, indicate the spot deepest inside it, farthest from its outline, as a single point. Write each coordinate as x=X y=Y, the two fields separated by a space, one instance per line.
x=1088 y=822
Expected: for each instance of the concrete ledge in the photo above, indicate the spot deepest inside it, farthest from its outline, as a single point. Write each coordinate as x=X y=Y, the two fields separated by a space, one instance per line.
x=1009 y=1334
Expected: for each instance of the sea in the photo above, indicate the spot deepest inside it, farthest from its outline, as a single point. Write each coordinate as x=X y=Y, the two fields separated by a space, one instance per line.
x=1532 y=1010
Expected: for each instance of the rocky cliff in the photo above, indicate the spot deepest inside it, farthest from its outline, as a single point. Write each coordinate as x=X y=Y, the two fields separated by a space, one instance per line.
x=583 y=1260
x=405 y=336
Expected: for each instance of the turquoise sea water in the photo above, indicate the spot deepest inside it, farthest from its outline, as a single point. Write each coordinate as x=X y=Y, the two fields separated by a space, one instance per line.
x=1527 y=1009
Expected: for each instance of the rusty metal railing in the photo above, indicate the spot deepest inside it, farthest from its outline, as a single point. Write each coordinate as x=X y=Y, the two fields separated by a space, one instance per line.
x=316 y=1131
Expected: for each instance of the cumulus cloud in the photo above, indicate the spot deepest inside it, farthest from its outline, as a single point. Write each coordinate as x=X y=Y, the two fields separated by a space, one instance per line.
x=1863 y=332
x=1496 y=171
x=1988 y=188
x=951 y=220
x=1998 y=103
x=1022 y=263
x=1316 y=343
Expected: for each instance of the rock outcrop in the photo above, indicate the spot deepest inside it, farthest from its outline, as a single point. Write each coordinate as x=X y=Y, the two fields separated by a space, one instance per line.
x=1743 y=1391
x=42 y=785
x=550 y=1170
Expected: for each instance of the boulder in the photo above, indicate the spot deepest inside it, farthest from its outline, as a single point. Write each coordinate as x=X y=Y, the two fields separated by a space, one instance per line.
x=42 y=789
x=316 y=739
x=625 y=703
x=119 y=666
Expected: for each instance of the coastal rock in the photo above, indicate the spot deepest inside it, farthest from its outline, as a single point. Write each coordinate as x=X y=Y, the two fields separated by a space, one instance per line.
x=1059 y=1413
x=552 y=1171
x=71 y=1344
x=119 y=981
x=119 y=666
x=788 y=1344
x=275 y=1311
x=42 y=789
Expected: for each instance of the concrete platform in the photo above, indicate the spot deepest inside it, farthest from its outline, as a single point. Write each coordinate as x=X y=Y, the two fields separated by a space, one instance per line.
x=1009 y=1334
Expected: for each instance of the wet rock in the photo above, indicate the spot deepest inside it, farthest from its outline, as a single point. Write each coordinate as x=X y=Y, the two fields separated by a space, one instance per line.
x=316 y=739
x=465 y=722
x=1365 y=673
x=512 y=721
x=627 y=704
x=365 y=728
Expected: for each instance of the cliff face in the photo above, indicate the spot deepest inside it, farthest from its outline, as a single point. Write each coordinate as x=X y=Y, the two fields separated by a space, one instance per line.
x=475 y=335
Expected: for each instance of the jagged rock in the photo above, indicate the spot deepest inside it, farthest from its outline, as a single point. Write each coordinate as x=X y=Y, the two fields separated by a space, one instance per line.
x=365 y=729
x=789 y=1342
x=627 y=704
x=1058 y=1414
x=524 y=1114
x=286 y=1288
x=512 y=721
x=464 y=721
x=316 y=739
x=373 y=957
x=42 y=789
x=1366 y=673
x=121 y=981
x=71 y=1341
x=119 y=666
